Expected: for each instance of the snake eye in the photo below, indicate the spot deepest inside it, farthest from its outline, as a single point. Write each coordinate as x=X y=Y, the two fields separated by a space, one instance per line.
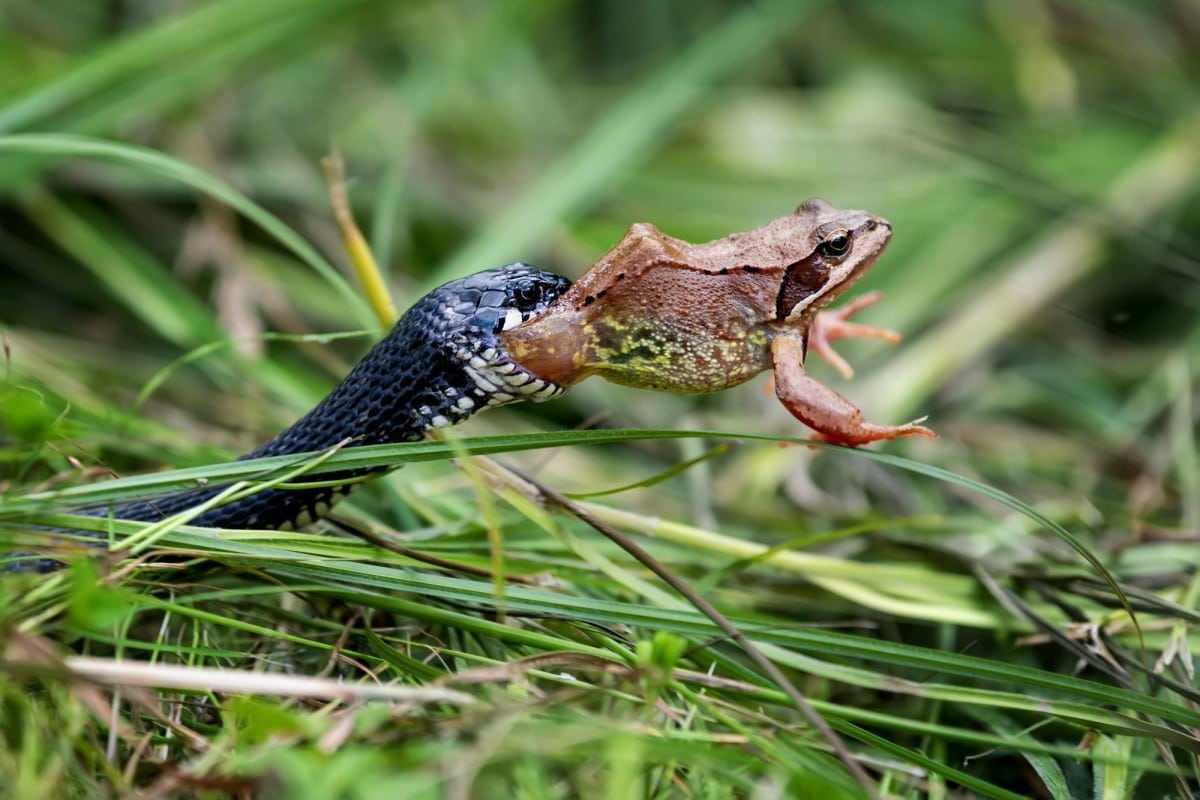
x=835 y=245
x=527 y=295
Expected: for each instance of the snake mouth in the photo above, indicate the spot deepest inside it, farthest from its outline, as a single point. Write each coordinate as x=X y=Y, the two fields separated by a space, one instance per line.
x=498 y=375
x=500 y=380
x=472 y=321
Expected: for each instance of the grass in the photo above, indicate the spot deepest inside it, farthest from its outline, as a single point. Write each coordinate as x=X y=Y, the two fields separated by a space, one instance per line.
x=959 y=611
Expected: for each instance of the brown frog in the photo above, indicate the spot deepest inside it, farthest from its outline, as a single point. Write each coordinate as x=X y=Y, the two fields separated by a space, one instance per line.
x=657 y=312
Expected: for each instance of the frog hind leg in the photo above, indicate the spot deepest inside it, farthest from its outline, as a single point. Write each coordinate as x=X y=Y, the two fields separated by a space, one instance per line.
x=833 y=417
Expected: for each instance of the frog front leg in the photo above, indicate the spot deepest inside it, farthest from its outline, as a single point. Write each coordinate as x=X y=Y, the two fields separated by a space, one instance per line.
x=828 y=326
x=833 y=417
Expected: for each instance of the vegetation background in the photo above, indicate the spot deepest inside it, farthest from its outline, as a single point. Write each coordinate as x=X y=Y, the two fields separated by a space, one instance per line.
x=1040 y=162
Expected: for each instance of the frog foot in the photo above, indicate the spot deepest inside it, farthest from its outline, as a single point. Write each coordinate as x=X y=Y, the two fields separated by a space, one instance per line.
x=829 y=326
x=833 y=417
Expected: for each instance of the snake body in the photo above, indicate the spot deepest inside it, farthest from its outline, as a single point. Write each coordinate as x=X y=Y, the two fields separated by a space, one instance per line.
x=441 y=363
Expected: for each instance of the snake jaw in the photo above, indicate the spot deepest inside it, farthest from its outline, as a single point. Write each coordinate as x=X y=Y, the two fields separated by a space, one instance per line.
x=499 y=380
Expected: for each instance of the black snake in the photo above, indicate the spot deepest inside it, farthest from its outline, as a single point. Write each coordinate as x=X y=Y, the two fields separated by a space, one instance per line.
x=442 y=362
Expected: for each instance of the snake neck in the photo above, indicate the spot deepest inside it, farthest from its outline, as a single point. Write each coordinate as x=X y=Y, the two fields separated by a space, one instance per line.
x=400 y=390
x=405 y=386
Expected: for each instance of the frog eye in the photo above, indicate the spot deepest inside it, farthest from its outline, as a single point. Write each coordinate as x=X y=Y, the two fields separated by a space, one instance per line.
x=836 y=244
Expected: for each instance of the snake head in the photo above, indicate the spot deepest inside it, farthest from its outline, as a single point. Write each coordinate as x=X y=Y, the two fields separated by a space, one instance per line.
x=471 y=313
x=498 y=299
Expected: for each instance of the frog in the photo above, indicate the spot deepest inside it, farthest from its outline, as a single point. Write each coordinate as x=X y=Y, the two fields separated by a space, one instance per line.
x=656 y=312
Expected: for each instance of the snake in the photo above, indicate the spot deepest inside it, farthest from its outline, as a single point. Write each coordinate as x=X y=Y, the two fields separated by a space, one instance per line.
x=441 y=363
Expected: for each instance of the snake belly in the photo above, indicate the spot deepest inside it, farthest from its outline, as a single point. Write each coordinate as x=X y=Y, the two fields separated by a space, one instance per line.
x=441 y=363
